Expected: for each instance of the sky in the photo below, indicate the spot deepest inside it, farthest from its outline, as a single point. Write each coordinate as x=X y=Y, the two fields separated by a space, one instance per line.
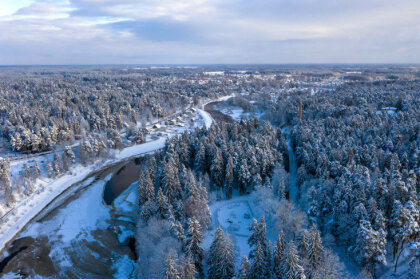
x=58 y=32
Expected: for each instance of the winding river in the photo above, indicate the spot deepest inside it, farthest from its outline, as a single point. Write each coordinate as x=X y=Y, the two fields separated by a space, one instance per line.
x=87 y=232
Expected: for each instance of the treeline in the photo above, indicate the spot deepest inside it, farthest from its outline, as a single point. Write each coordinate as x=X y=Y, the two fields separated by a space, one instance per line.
x=358 y=157
x=37 y=111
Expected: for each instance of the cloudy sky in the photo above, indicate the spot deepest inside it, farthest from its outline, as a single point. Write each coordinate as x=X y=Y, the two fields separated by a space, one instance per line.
x=209 y=31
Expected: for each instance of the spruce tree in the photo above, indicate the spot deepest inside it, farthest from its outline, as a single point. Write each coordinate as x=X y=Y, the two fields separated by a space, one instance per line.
x=188 y=269
x=216 y=169
x=162 y=205
x=221 y=259
x=171 y=271
x=244 y=269
x=258 y=266
x=315 y=248
x=229 y=178
x=244 y=177
x=37 y=170
x=279 y=247
x=193 y=244
x=291 y=263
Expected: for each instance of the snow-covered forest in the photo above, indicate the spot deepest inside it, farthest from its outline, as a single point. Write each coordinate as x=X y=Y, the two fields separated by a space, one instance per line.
x=350 y=210
x=253 y=172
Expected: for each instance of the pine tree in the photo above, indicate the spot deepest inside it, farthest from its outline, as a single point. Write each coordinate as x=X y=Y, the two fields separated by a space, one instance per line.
x=315 y=248
x=404 y=222
x=258 y=236
x=200 y=159
x=216 y=169
x=70 y=154
x=65 y=162
x=171 y=271
x=368 y=246
x=37 y=170
x=50 y=170
x=268 y=261
x=281 y=189
x=279 y=247
x=221 y=259
x=291 y=263
x=244 y=177
x=313 y=210
x=57 y=164
x=146 y=191
x=244 y=269
x=192 y=247
x=229 y=178
x=380 y=227
x=179 y=232
x=258 y=266
x=147 y=210
x=162 y=205
x=171 y=183
x=188 y=269
x=27 y=172
x=5 y=177
x=304 y=243
x=197 y=206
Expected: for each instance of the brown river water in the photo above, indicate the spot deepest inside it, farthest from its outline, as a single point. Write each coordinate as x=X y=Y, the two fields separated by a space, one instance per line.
x=86 y=233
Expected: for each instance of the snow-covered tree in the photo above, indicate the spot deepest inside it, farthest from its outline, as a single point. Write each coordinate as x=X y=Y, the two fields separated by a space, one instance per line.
x=315 y=248
x=229 y=178
x=188 y=269
x=279 y=247
x=171 y=271
x=244 y=269
x=221 y=260
x=291 y=263
x=258 y=265
x=70 y=154
x=369 y=249
x=193 y=244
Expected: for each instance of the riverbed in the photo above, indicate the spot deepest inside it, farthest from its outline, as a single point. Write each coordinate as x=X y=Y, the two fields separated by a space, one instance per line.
x=86 y=233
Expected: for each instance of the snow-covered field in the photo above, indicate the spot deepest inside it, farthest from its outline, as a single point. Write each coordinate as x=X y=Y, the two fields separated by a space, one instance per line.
x=234 y=216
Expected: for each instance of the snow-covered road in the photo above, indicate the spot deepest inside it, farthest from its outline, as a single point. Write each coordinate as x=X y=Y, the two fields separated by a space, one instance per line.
x=208 y=120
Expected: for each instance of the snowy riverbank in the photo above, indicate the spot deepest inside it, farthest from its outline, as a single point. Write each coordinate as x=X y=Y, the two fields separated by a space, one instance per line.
x=47 y=190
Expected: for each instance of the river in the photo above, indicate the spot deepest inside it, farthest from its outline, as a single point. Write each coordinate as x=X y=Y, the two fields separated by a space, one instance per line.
x=88 y=232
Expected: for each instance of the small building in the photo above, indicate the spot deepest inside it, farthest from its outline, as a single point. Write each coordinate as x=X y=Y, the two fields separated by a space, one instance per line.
x=172 y=122
x=156 y=126
x=138 y=140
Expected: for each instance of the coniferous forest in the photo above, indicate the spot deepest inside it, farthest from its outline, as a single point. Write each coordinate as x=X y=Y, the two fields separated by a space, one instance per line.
x=356 y=188
x=212 y=172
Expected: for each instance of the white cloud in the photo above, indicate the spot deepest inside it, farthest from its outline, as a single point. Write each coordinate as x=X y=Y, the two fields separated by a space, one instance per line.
x=204 y=31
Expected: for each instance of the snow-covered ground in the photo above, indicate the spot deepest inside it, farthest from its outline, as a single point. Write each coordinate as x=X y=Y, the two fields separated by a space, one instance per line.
x=234 y=217
x=46 y=190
